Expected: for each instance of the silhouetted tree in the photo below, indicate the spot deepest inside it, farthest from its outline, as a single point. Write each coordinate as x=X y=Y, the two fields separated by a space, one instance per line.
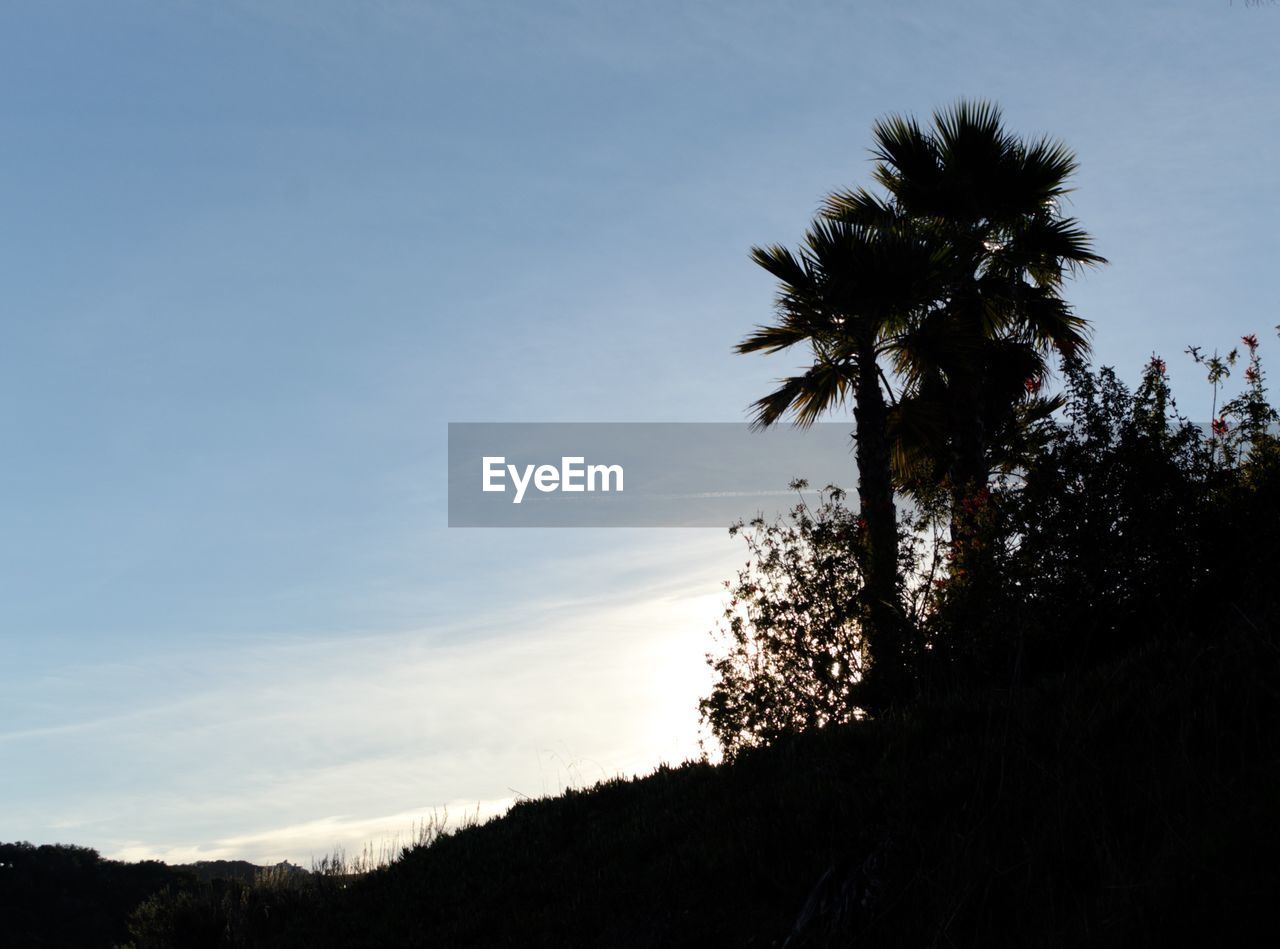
x=847 y=295
x=992 y=201
x=952 y=276
x=793 y=628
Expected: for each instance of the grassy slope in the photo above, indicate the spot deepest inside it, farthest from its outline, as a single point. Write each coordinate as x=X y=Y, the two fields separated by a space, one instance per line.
x=1137 y=805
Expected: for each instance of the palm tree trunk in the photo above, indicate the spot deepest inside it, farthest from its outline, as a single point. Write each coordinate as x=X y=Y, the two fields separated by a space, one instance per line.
x=971 y=559
x=885 y=626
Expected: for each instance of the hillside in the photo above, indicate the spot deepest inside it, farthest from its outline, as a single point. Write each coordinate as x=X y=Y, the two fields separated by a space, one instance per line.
x=1125 y=806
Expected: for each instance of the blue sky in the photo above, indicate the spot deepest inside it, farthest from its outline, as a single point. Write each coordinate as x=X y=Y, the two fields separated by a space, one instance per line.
x=257 y=255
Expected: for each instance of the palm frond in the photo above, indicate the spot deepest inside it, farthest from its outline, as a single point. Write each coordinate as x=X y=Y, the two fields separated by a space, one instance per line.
x=1045 y=166
x=1046 y=248
x=917 y=428
x=780 y=262
x=773 y=339
x=806 y=397
x=859 y=206
x=1048 y=322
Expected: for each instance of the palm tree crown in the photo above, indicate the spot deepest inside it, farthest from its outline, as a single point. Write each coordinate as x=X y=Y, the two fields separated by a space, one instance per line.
x=991 y=204
x=849 y=293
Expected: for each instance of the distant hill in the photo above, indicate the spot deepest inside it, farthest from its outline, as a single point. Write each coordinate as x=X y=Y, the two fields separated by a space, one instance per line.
x=57 y=895
x=208 y=870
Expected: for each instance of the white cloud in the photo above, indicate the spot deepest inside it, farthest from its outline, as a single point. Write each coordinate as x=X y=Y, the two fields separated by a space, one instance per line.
x=283 y=749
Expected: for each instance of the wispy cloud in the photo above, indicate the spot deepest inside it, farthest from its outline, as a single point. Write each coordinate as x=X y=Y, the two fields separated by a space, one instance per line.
x=281 y=749
x=381 y=836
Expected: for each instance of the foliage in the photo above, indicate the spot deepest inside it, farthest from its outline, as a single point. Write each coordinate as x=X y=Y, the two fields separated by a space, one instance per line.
x=792 y=628
x=1119 y=519
x=791 y=651
x=1125 y=519
x=62 y=895
x=1242 y=427
x=1083 y=539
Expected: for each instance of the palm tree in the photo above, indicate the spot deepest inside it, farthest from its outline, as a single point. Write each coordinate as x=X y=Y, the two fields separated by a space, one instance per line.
x=993 y=201
x=851 y=289
x=953 y=276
